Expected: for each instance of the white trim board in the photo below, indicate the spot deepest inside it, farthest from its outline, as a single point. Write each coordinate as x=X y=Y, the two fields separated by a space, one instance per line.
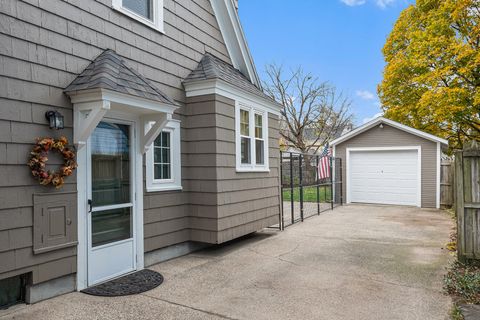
x=392 y=123
x=81 y=219
x=82 y=173
x=334 y=152
x=222 y=88
x=90 y=107
x=419 y=166
x=438 y=184
x=133 y=103
x=235 y=41
x=175 y=183
x=253 y=166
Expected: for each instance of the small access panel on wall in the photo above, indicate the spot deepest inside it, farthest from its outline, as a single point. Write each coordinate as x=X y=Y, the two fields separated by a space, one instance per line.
x=54 y=222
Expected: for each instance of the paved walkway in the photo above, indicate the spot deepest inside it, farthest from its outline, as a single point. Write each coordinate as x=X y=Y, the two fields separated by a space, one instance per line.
x=356 y=262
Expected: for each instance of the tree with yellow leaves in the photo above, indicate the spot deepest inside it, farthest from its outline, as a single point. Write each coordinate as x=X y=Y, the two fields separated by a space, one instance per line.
x=432 y=76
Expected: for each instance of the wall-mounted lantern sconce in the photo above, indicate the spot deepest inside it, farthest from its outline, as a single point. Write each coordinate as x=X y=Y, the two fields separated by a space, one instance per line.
x=55 y=119
x=381 y=126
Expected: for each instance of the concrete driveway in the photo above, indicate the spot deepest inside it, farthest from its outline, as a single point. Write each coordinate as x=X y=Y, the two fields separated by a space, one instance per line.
x=356 y=262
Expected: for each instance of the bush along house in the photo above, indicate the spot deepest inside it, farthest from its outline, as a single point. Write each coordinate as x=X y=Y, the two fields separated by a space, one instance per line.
x=131 y=132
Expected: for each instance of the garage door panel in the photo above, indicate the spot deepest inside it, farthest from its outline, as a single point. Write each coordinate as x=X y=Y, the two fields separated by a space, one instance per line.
x=384 y=178
x=389 y=186
x=382 y=197
x=388 y=177
x=387 y=189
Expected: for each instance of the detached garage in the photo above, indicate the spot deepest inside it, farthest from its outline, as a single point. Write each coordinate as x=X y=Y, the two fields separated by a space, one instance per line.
x=385 y=162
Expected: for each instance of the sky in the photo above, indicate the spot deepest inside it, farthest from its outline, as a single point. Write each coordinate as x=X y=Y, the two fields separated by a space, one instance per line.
x=338 y=41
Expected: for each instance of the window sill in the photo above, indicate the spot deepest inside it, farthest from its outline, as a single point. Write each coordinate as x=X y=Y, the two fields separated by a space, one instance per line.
x=252 y=169
x=164 y=188
x=158 y=27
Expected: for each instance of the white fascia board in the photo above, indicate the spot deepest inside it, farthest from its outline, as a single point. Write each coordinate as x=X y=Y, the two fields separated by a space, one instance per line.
x=438 y=178
x=392 y=123
x=90 y=106
x=142 y=104
x=394 y=148
x=222 y=88
x=235 y=41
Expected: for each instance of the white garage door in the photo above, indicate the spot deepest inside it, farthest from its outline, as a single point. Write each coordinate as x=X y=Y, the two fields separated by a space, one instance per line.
x=386 y=177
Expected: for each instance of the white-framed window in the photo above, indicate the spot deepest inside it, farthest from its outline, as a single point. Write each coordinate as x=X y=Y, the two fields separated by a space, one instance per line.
x=149 y=12
x=163 y=163
x=251 y=138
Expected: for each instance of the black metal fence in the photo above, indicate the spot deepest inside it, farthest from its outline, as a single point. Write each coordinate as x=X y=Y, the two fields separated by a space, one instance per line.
x=304 y=194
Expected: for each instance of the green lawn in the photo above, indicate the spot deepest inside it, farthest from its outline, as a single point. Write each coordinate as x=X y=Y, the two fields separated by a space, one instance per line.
x=309 y=194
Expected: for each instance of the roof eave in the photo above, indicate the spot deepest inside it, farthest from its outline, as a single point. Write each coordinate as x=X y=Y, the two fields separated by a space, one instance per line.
x=89 y=95
x=234 y=38
x=224 y=88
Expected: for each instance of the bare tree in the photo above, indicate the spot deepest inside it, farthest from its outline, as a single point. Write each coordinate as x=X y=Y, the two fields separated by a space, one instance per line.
x=313 y=111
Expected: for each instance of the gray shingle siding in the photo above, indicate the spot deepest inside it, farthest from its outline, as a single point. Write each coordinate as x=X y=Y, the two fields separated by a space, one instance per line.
x=45 y=45
x=228 y=204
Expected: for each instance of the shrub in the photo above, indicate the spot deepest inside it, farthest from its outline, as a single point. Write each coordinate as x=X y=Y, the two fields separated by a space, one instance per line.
x=463 y=281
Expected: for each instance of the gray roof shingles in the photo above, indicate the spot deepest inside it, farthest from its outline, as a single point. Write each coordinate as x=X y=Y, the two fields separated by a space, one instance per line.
x=109 y=71
x=211 y=67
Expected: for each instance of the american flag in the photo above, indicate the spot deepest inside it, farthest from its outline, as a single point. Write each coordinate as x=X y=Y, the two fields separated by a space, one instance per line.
x=324 y=163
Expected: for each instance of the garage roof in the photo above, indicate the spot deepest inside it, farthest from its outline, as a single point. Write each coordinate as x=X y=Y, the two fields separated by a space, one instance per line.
x=392 y=123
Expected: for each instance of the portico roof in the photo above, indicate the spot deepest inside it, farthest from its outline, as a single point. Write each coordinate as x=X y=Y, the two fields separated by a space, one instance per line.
x=108 y=83
x=109 y=71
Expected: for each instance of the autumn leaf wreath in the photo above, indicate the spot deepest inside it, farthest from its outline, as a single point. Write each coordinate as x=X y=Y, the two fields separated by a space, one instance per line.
x=38 y=160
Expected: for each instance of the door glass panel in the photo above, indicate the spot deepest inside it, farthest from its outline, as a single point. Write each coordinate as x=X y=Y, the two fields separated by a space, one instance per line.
x=110 y=147
x=111 y=225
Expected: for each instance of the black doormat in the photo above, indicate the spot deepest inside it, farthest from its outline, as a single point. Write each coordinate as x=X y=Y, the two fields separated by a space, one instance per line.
x=134 y=283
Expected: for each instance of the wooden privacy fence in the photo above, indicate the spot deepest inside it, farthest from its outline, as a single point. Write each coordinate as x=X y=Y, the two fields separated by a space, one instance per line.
x=467 y=200
x=446 y=183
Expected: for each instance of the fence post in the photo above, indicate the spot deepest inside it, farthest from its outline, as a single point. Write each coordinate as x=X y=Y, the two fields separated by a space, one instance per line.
x=280 y=222
x=467 y=200
x=459 y=198
x=318 y=187
x=300 y=185
x=292 y=207
x=447 y=169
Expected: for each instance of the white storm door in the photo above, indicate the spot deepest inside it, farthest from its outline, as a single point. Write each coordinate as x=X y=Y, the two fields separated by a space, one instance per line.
x=384 y=177
x=111 y=205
